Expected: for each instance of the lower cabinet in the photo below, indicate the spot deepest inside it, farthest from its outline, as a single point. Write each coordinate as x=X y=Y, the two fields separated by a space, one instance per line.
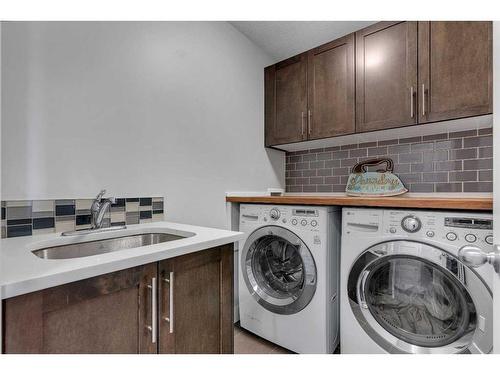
x=180 y=305
x=196 y=294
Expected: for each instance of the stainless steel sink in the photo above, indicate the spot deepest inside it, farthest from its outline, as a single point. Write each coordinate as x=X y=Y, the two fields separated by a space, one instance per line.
x=108 y=245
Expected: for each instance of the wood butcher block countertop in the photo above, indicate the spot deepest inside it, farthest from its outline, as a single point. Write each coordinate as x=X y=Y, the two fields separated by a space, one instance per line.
x=449 y=201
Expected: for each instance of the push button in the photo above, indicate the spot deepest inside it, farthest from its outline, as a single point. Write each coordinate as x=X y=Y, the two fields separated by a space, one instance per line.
x=294 y=221
x=489 y=239
x=303 y=222
x=470 y=238
x=314 y=223
x=450 y=236
x=430 y=233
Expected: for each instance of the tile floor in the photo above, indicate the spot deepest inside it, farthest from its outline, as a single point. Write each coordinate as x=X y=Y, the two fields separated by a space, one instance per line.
x=248 y=343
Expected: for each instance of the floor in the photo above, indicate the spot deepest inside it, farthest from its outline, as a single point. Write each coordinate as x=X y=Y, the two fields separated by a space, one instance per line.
x=248 y=343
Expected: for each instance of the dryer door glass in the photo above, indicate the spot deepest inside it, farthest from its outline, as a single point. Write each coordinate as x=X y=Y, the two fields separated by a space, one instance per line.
x=278 y=267
x=418 y=302
x=279 y=270
x=412 y=297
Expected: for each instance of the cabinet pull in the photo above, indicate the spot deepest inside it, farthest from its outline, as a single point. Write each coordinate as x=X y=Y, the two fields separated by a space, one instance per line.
x=170 y=319
x=309 y=124
x=302 y=122
x=423 y=99
x=154 y=307
x=412 y=112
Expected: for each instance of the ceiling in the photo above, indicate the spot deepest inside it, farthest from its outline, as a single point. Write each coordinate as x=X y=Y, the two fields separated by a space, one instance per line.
x=282 y=39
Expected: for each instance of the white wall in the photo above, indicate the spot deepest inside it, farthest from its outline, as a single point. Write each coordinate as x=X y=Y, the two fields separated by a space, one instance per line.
x=143 y=109
x=496 y=179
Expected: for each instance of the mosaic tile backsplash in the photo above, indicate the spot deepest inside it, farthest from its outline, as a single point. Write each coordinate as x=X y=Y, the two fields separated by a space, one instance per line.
x=447 y=162
x=26 y=218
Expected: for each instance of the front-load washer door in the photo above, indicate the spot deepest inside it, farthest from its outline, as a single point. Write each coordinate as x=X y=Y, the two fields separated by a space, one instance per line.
x=279 y=270
x=411 y=297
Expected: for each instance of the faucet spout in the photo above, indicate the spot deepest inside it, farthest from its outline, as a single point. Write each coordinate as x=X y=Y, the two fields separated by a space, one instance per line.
x=98 y=209
x=104 y=206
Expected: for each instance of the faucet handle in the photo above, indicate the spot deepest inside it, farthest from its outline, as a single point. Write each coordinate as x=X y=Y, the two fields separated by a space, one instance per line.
x=100 y=195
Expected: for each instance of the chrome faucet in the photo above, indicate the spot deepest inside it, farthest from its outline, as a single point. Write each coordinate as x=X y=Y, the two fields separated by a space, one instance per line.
x=98 y=209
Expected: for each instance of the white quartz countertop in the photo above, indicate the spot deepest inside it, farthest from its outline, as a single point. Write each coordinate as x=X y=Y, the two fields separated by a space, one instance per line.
x=23 y=272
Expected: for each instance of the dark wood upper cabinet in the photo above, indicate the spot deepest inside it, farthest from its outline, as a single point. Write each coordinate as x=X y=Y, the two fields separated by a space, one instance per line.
x=331 y=105
x=455 y=70
x=105 y=314
x=196 y=312
x=286 y=101
x=389 y=75
x=386 y=76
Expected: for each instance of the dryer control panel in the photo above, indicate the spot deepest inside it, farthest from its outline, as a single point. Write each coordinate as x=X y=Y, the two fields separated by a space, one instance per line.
x=459 y=228
x=450 y=228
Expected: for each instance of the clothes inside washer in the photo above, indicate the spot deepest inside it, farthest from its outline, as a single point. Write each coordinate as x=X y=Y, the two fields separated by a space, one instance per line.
x=414 y=298
x=278 y=267
x=424 y=313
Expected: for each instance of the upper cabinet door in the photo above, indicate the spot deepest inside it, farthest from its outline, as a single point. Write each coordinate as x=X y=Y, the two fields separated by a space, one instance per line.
x=455 y=70
x=331 y=89
x=286 y=101
x=386 y=76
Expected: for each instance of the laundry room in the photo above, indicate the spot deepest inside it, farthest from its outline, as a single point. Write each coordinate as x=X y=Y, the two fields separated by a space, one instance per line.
x=249 y=186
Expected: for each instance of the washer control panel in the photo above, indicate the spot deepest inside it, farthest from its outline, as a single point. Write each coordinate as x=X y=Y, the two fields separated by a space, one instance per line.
x=294 y=217
x=305 y=218
x=440 y=226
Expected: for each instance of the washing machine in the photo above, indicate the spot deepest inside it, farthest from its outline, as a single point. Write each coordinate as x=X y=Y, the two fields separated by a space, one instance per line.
x=416 y=282
x=289 y=275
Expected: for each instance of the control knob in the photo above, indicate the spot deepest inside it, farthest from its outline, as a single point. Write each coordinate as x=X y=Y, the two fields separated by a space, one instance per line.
x=274 y=213
x=411 y=224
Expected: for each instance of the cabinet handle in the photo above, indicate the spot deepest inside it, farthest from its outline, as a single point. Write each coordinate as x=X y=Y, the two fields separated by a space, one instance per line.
x=309 y=124
x=170 y=318
x=412 y=112
x=302 y=122
x=154 y=307
x=423 y=99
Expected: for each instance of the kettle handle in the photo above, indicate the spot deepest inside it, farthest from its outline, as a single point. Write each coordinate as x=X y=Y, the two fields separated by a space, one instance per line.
x=361 y=166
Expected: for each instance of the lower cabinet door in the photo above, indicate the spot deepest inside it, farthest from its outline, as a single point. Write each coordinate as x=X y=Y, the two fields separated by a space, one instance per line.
x=196 y=302
x=110 y=313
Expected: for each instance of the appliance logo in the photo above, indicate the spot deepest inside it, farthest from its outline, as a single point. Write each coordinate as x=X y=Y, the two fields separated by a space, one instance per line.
x=252 y=318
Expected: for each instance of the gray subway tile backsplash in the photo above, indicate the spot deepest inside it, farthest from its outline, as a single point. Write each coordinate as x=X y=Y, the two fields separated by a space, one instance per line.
x=480 y=187
x=26 y=218
x=446 y=162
